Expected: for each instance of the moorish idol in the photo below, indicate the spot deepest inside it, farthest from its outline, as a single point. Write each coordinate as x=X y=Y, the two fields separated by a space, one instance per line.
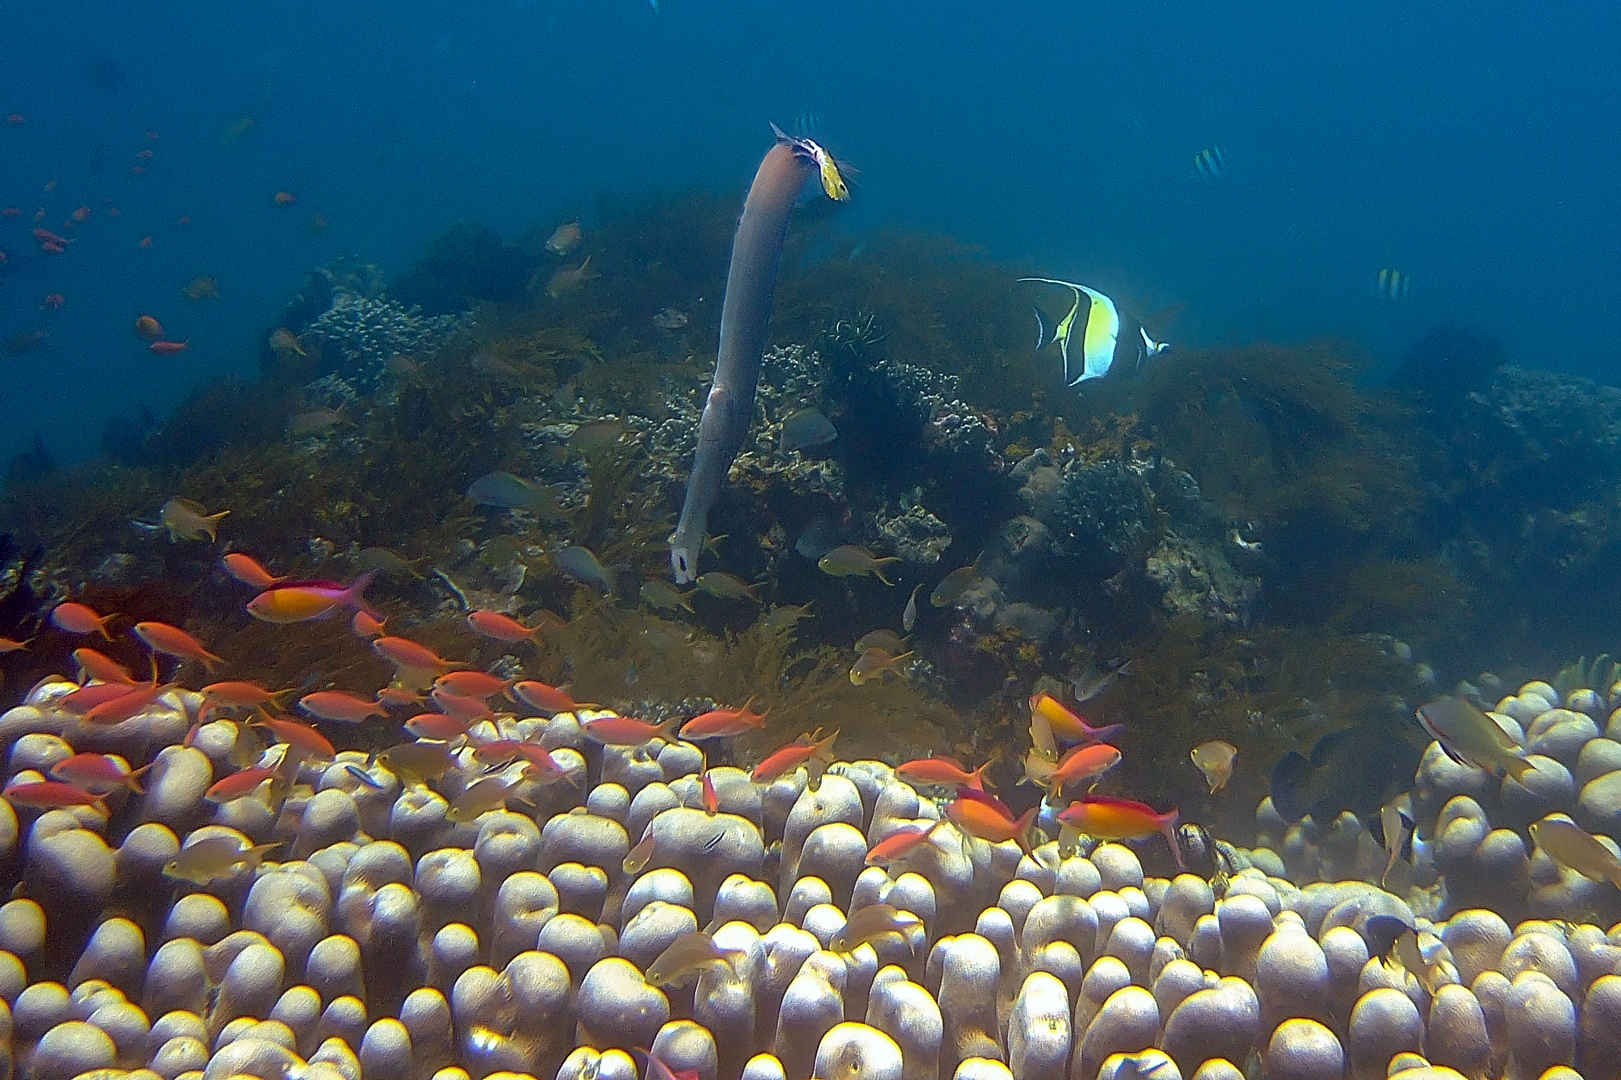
x=1107 y=343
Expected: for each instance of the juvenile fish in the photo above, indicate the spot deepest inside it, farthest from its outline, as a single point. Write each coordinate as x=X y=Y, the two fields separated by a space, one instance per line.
x=582 y=565
x=874 y=663
x=726 y=586
x=481 y=798
x=851 y=560
x=187 y=520
x=1215 y=759
x=687 y=956
x=665 y=597
x=1470 y=737
x=201 y=861
x=1569 y=845
x=870 y=923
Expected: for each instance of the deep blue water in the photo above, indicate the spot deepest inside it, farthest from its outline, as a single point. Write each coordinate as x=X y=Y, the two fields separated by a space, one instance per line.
x=1473 y=146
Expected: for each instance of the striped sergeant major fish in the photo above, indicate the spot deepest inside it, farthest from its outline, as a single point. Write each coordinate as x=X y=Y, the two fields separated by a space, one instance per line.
x=1094 y=329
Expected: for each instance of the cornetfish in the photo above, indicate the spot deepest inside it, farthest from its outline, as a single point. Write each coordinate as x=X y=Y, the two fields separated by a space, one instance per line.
x=751 y=283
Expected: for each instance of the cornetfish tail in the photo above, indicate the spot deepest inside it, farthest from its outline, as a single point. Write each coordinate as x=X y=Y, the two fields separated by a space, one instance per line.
x=751 y=284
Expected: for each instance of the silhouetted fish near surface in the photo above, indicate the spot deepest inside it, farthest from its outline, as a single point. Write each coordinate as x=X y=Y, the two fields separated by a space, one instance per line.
x=1356 y=769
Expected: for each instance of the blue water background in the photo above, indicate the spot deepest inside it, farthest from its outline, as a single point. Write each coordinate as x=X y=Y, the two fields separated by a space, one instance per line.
x=1471 y=145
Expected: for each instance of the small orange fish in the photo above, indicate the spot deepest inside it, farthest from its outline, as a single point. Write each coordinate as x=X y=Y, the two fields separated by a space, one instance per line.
x=101 y=667
x=340 y=706
x=395 y=697
x=405 y=653
x=11 y=645
x=169 y=348
x=628 y=731
x=548 y=699
x=85 y=698
x=238 y=695
x=1067 y=724
x=469 y=709
x=1110 y=818
x=300 y=603
x=805 y=750
x=493 y=624
x=238 y=785
x=51 y=795
x=437 y=726
x=474 y=684
x=367 y=625
x=247 y=569
x=98 y=774
x=79 y=619
x=300 y=737
x=175 y=642
x=54 y=300
x=900 y=844
x=1086 y=762
x=710 y=796
x=132 y=701
x=81 y=215
x=941 y=770
x=149 y=328
x=720 y=723
x=284 y=198
x=988 y=818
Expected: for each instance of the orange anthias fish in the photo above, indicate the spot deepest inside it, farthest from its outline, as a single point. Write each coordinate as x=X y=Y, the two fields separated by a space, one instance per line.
x=1067 y=724
x=438 y=726
x=98 y=774
x=499 y=627
x=100 y=666
x=989 y=819
x=173 y=641
x=309 y=600
x=249 y=571
x=80 y=619
x=11 y=645
x=149 y=328
x=901 y=844
x=548 y=699
x=405 y=653
x=299 y=737
x=51 y=795
x=132 y=701
x=941 y=770
x=1109 y=818
x=169 y=348
x=340 y=706
x=628 y=731
x=1083 y=763
x=473 y=684
x=718 y=723
x=238 y=695
x=238 y=785
x=805 y=750
x=366 y=626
